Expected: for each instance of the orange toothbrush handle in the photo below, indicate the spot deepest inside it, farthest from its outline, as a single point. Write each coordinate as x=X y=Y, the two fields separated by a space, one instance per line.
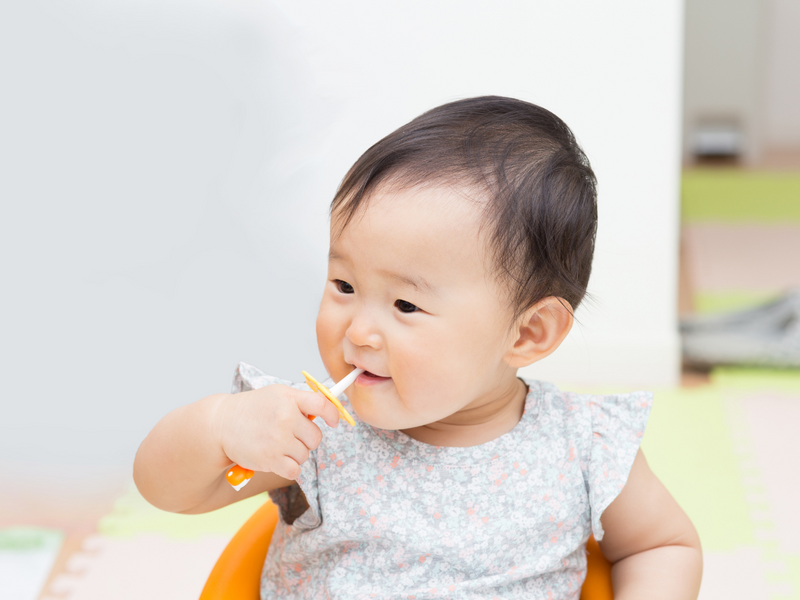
x=238 y=476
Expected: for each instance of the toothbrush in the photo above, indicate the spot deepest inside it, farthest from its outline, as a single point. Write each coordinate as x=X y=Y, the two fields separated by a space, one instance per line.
x=239 y=477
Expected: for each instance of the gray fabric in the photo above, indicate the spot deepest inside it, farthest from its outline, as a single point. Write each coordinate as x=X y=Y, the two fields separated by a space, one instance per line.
x=767 y=335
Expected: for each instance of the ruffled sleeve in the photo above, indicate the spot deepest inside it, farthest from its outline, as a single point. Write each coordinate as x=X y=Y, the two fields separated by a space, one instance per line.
x=289 y=501
x=247 y=378
x=617 y=426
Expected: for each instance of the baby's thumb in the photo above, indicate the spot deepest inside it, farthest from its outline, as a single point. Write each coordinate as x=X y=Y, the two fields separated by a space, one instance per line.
x=314 y=404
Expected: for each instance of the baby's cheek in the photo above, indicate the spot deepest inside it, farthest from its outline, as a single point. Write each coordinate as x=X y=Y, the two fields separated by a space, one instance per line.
x=426 y=391
x=329 y=335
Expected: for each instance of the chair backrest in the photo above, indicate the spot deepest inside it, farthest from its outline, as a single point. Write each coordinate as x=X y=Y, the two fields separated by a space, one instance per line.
x=237 y=574
x=597 y=585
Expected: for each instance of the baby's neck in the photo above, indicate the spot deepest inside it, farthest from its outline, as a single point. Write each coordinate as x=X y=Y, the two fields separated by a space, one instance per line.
x=475 y=426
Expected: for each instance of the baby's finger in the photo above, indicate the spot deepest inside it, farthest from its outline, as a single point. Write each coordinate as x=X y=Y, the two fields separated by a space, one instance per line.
x=286 y=467
x=314 y=403
x=308 y=433
x=297 y=451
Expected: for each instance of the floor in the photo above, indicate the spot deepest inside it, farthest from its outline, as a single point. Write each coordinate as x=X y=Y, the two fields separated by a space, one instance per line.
x=735 y=489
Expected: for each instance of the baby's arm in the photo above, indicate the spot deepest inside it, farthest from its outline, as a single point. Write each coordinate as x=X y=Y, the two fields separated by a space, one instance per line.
x=651 y=542
x=181 y=464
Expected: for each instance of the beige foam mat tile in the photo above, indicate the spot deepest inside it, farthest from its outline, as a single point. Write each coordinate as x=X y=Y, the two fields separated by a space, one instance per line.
x=149 y=566
x=773 y=420
x=733 y=575
x=735 y=256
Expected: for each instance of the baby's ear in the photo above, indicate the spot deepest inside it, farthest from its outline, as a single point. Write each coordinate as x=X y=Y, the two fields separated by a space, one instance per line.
x=539 y=331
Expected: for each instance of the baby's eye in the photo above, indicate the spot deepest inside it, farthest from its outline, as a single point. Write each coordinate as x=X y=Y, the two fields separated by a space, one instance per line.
x=343 y=286
x=405 y=307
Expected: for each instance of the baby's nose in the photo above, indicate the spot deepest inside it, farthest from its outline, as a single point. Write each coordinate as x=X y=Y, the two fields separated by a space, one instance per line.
x=364 y=331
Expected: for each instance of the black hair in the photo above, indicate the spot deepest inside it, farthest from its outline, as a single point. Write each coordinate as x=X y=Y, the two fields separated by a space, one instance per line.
x=540 y=191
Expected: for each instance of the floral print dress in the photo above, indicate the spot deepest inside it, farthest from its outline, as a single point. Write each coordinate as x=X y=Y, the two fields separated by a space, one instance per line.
x=377 y=514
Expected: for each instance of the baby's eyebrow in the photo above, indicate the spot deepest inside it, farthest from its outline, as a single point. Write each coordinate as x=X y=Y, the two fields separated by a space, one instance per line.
x=418 y=283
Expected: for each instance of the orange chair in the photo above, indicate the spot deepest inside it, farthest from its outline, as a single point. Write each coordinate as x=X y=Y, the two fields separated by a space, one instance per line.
x=237 y=574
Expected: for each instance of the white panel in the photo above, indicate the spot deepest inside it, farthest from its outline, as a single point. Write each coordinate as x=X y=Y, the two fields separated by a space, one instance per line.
x=168 y=167
x=782 y=80
x=724 y=67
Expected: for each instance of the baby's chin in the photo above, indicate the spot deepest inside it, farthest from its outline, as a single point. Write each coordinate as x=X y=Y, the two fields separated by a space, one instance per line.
x=377 y=419
x=379 y=415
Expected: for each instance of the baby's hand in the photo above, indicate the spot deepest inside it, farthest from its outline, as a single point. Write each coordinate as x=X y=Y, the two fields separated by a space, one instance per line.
x=268 y=429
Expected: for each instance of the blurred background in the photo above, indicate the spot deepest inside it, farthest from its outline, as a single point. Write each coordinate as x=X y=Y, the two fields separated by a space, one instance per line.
x=165 y=175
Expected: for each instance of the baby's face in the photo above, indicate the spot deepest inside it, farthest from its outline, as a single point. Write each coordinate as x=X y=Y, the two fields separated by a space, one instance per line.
x=410 y=297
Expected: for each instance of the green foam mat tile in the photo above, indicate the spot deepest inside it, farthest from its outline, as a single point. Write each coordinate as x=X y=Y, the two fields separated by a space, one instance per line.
x=30 y=539
x=792 y=573
x=743 y=379
x=132 y=515
x=688 y=444
x=27 y=555
x=731 y=301
x=736 y=196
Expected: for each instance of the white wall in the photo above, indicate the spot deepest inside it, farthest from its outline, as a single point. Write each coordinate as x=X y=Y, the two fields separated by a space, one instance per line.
x=782 y=75
x=168 y=166
x=742 y=66
x=724 y=69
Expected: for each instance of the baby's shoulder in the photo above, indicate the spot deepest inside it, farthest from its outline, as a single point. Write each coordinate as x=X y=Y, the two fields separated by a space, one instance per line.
x=551 y=401
x=588 y=413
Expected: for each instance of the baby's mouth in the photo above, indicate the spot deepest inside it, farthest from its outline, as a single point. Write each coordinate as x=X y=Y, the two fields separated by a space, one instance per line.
x=369 y=378
x=368 y=374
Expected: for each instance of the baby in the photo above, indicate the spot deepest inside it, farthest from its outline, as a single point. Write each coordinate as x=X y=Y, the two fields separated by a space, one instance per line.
x=460 y=246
